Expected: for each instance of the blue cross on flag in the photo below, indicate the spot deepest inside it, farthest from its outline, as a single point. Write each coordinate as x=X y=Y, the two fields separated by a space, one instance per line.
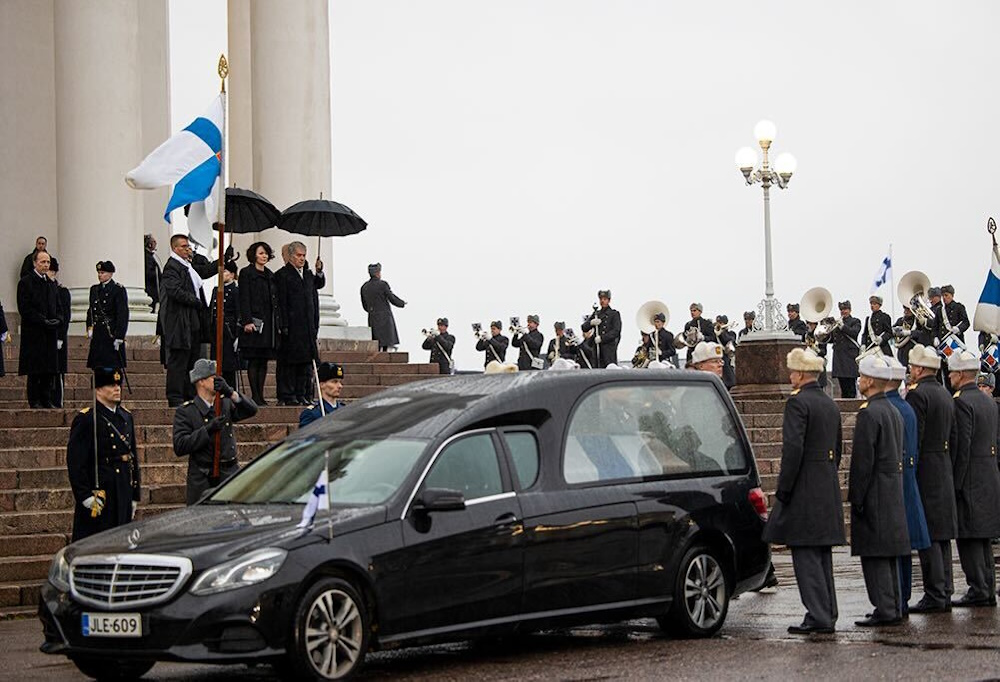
x=883 y=274
x=318 y=500
x=987 y=318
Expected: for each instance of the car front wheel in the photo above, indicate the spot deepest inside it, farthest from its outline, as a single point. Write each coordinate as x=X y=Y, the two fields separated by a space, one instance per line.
x=701 y=595
x=331 y=632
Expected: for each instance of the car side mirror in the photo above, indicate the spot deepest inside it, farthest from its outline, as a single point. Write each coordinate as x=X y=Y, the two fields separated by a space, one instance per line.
x=439 y=499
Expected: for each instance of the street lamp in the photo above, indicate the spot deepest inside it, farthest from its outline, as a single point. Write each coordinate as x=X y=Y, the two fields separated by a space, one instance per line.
x=769 y=309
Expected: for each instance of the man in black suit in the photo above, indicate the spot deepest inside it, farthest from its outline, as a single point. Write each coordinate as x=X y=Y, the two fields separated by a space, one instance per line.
x=38 y=305
x=298 y=301
x=180 y=319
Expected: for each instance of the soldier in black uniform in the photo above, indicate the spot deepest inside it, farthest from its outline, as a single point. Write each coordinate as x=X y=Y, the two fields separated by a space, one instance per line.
x=844 y=338
x=977 y=481
x=879 y=532
x=607 y=325
x=951 y=316
x=663 y=340
x=530 y=343
x=748 y=318
x=808 y=516
x=909 y=332
x=727 y=339
x=587 y=351
x=195 y=426
x=495 y=345
x=105 y=492
x=696 y=329
x=441 y=344
x=107 y=319
x=559 y=347
x=230 y=322
x=877 y=327
x=935 y=480
x=819 y=348
x=796 y=324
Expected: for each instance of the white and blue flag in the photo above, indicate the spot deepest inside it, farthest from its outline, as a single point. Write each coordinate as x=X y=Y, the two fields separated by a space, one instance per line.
x=987 y=318
x=191 y=161
x=319 y=500
x=883 y=274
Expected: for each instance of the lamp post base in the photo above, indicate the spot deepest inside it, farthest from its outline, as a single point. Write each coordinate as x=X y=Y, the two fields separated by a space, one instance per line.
x=761 y=371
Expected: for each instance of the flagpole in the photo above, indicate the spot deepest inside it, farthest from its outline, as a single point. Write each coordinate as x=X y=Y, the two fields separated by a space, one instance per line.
x=220 y=219
x=892 y=285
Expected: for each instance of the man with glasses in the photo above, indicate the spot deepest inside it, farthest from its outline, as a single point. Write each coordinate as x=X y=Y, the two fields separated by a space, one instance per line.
x=182 y=309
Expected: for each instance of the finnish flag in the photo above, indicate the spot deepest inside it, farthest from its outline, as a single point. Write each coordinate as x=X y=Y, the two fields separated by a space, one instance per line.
x=883 y=274
x=319 y=500
x=987 y=318
x=191 y=161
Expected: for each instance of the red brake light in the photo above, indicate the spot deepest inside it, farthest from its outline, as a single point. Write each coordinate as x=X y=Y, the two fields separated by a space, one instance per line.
x=758 y=500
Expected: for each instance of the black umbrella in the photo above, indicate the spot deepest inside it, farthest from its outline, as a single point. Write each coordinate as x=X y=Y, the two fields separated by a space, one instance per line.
x=321 y=218
x=247 y=211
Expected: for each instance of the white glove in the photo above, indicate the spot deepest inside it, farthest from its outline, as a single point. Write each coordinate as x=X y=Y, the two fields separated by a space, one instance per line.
x=4 y=337
x=59 y=344
x=597 y=338
x=91 y=501
x=435 y=333
x=118 y=344
x=135 y=505
x=90 y=332
x=595 y=321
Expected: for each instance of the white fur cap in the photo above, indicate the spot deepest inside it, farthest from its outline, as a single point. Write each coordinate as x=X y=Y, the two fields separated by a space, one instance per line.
x=496 y=368
x=804 y=360
x=875 y=366
x=563 y=363
x=896 y=370
x=963 y=361
x=924 y=356
x=706 y=350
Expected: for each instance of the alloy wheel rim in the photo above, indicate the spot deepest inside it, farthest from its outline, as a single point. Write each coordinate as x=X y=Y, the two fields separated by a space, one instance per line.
x=704 y=591
x=333 y=634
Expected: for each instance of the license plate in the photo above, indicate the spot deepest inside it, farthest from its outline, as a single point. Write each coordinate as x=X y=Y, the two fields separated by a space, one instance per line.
x=112 y=625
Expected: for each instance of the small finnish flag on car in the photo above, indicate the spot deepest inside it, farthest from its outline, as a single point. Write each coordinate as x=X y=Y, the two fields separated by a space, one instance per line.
x=320 y=499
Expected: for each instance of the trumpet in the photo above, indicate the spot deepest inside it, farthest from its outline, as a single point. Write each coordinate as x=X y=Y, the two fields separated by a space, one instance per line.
x=571 y=337
x=430 y=332
x=515 y=326
x=477 y=330
x=719 y=327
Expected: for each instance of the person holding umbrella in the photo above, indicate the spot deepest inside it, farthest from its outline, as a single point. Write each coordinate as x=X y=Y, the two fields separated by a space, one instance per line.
x=298 y=302
x=376 y=297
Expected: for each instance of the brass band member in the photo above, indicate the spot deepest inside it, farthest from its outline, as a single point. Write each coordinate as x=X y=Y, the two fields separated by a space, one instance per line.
x=697 y=329
x=495 y=345
x=643 y=354
x=559 y=347
x=586 y=351
x=951 y=316
x=877 y=327
x=663 y=341
x=748 y=318
x=441 y=344
x=727 y=339
x=909 y=333
x=795 y=323
x=844 y=338
x=819 y=348
x=530 y=342
x=607 y=325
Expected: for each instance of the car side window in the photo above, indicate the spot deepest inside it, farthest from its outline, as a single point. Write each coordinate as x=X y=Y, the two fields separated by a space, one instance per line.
x=523 y=447
x=468 y=465
x=652 y=431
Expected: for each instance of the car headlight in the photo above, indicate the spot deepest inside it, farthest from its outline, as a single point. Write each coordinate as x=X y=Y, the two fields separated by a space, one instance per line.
x=59 y=571
x=247 y=570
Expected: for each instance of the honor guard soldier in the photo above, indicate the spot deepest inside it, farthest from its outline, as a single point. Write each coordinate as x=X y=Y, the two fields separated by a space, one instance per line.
x=819 y=348
x=530 y=342
x=559 y=346
x=808 y=516
x=748 y=318
x=935 y=479
x=107 y=319
x=101 y=460
x=909 y=332
x=875 y=491
x=951 y=316
x=796 y=324
x=607 y=325
x=844 y=338
x=331 y=380
x=195 y=426
x=662 y=341
x=877 y=327
x=977 y=480
x=696 y=330
x=495 y=345
x=916 y=521
x=726 y=339
x=441 y=344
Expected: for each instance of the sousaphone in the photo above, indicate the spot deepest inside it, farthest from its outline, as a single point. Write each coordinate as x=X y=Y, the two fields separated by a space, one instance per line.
x=647 y=311
x=912 y=291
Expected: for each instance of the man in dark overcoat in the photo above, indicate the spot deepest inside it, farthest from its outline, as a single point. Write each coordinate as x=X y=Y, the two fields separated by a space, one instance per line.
x=183 y=311
x=494 y=345
x=809 y=516
x=195 y=426
x=107 y=319
x=559 y=346
x=530 y=342
x=152 y=271
x=977 y=481
x=4 y=335
x=28 y=264
x=877 y=327
x=65 y=304
x=377 y=299
x=796 y=324
x=298 y=303
x=38 y=358
x=844 y=338
x=106 y=491
x=696 y=329
x=935 y=478
x=607 y=325
x=913 y=333
x=875 y=491
x=441 y=344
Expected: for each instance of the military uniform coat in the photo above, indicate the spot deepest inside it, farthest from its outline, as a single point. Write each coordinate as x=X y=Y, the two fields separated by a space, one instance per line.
x=916 y=521
x=957 y=317
x=117 y=468
x=230 y=325
x=498 y=344
x=845 y=350
x=37 y=301
x=311 y=414
x=259 y=300
x=3 y=330
x=441 y=347
x=875 y=488
x=728 y=371
x=707 y=331
x=377 y=299
x=586 y=353
x=665 y=340
x=192 y=440
x=560 y=348
x=812 y=514
x=530 y=345
x=919 y=334
x=182 y=308
x=610 y=331
x=798 y=327
x=107 y=318
x=935 y=469
x=64 y=301
x=878 y=328
x=977 y=480
x=298 y=301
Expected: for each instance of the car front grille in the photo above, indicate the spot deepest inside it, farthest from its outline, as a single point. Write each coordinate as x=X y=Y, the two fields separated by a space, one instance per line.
x=124 y=581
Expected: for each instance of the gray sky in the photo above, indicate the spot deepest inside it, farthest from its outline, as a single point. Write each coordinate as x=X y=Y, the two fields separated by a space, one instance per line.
x=512 y=158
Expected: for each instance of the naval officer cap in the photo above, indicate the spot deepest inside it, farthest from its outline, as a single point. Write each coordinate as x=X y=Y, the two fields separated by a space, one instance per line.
x=105 y=266
x=329 y=370
x=104 y=376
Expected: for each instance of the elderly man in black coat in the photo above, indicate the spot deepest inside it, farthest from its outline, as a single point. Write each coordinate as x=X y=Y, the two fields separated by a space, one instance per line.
x=107 y=319
x=607 y=325
x=879 y=532
x=977 y=481
x=530 y=342
x=808 y=516
x=182 y=313
x=298 y=302
x=376 y=298
x=38 y=304
x=844 y=338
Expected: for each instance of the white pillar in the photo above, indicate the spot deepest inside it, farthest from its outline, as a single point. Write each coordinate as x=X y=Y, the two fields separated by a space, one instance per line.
x=98 y=139
x=290 y=92
x=240 y=113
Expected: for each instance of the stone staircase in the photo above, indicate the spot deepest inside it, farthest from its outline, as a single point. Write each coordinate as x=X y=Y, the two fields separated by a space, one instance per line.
x=35 y=498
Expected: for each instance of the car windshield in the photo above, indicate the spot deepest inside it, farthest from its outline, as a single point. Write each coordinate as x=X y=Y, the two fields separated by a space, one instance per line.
x=361 y=472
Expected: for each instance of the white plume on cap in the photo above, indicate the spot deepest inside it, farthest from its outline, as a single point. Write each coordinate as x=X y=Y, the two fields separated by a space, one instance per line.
x=924 y=356
x=875 y=367
x=963 y=361
x=706 y=350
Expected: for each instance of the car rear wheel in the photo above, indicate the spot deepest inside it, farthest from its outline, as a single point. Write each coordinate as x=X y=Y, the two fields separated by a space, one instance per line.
x=701 y=595
x=111 y=669
x=331 y=632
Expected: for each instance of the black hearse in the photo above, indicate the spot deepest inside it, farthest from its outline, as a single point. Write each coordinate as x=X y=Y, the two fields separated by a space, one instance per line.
x=458 y=507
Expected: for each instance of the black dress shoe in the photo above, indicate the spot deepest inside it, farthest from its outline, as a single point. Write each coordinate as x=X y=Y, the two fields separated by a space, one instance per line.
x=872 y=622
x=926 y=607
x=303 y=400
x=809 y=630
x=967 y=602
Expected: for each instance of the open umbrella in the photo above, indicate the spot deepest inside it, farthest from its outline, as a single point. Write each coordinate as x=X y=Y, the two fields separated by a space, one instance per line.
x=321 y=218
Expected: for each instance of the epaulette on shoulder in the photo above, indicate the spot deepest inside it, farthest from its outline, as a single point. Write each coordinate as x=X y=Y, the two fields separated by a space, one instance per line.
x=187 y=402
x=912 y=387
x=863 y=405
x=957 y=393
x=85 y=410
x=124 y=409
x=795 y=392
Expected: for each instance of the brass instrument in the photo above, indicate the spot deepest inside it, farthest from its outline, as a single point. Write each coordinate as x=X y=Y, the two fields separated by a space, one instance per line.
x=644 y=321
x=430 y=332
x=641 y=358
x=816 y=305
x=912 y=289
x=515 y=326
x=719 y=327
x=692 y=337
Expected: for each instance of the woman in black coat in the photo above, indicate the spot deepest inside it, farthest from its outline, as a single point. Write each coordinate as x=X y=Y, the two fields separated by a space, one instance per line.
x=259 y=317
x=230 y=323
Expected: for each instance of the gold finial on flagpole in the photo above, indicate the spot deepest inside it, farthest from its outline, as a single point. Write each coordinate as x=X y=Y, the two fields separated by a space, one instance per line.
x=223 y=70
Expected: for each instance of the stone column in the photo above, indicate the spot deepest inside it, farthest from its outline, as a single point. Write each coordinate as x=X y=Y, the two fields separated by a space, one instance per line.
x=98 y=139
x=290 y=94
x=240 y=113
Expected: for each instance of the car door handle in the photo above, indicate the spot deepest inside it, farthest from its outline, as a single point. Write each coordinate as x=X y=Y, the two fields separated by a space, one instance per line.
x=508 y=519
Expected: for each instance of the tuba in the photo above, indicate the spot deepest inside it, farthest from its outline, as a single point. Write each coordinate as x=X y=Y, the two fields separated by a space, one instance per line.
x=816 y=305
x=912 y=290
x=647 y=311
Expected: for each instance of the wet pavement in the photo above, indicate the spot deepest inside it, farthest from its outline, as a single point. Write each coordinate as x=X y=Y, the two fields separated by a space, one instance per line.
x=754 y=644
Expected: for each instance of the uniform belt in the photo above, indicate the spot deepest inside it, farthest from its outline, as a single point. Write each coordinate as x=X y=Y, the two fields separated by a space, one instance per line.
x=116 y=459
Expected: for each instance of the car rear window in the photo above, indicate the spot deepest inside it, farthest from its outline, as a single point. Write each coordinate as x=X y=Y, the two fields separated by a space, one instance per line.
x=652 y=431
x=524 y=453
